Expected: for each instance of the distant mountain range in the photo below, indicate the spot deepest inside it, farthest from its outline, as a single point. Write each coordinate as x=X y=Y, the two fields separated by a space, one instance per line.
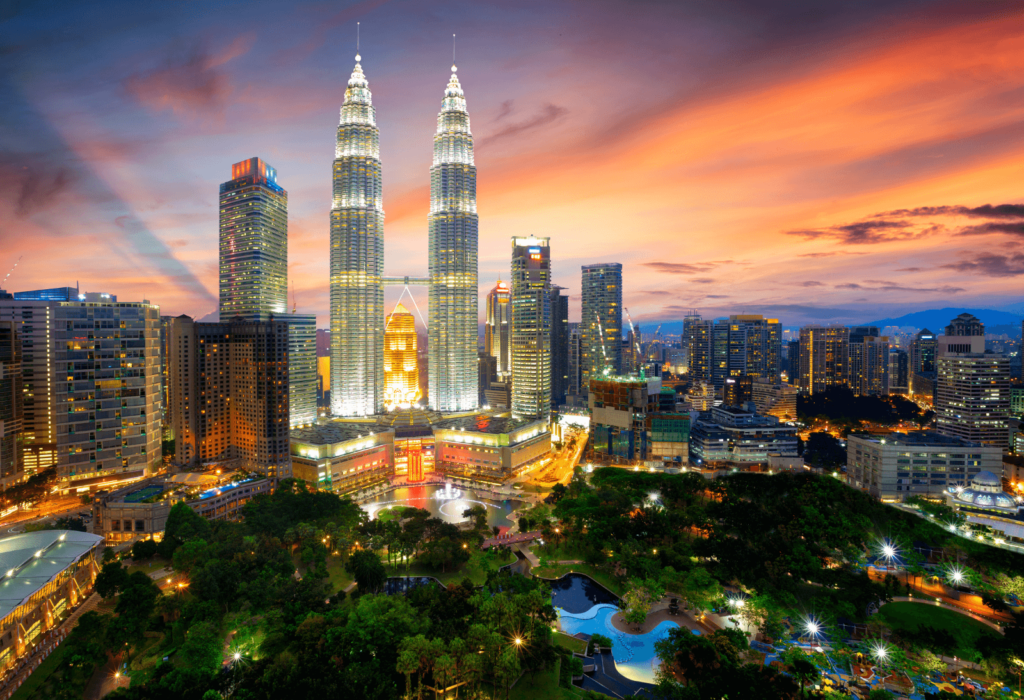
x=936 y=320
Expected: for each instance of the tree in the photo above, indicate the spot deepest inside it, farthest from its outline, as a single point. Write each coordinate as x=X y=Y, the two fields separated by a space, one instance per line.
x=144 y=549
x=801 y=667
x=639 y=598
x=183 y=524
x=111 y=578
x=408 y=664
x=368 y=571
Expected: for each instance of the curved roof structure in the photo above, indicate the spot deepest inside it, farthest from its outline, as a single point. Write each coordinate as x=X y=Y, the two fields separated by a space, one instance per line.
x=32 y=559
x=986 y=491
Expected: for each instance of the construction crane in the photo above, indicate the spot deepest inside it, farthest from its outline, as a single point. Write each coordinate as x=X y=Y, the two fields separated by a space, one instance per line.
x=600 y=330
x=12 y=270
x=636 y=344
x=654 y=339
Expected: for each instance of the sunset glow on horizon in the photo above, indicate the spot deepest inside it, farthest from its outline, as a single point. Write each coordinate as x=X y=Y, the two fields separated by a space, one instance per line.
x=811 y=164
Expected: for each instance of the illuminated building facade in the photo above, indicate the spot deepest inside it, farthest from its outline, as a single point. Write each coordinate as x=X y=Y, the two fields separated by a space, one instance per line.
x=531 y=327
x=490 y=449
x=869 y=362
x=453 y=294
x=497 y=328
x=559 y=345
x=824 y=357
x=972 y=397
x=401 y=368
x=253 y=242
x=47 y=575
x=12 y=393
x=342 y=457
x=357 y=258
x=228 y=394
x=601 y=322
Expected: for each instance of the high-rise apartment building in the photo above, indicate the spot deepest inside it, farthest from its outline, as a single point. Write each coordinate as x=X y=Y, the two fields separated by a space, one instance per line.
x=575 y=360
x=498 y=327
x=559 y=345
x=12 y=467
x=254 y=273
x=253 y=242
x=899 y=371
x=452 y=266
x=869 y=361
x=972 y=387
x=228 y=394
x=357 y=258
x=698 y=335
x=824 y=357
x=401 y=366
x=923 y=349
x=601 y=321
x=531 y=326
x=92 y=389
x=754 y=347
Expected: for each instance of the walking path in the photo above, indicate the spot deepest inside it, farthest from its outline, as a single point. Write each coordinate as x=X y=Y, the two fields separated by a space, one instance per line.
x=510 y=539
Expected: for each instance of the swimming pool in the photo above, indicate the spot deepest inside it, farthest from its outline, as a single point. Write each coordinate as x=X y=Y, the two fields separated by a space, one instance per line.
x=577 y=593
x=633 y=653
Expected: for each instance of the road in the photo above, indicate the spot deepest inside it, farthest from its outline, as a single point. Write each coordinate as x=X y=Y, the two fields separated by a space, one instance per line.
x=50 y=508
x=559 y=469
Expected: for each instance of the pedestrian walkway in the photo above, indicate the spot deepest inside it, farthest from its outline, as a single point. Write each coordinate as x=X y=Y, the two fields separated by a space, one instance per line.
x=509 y=540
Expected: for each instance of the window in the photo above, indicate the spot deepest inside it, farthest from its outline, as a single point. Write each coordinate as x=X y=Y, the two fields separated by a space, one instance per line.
x=127 y=525
x=140 y=526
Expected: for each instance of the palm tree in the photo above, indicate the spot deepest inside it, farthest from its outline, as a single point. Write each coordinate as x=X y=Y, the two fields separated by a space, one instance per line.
x=408 y=664
x=804 y=671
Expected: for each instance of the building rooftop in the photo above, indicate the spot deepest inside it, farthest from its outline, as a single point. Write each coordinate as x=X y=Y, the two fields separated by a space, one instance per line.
x=920 y=438
x=482 y=423
x=334 y=432
x=31 y=560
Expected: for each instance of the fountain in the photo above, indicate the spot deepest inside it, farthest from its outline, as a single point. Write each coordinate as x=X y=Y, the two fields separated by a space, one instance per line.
x=449 y=493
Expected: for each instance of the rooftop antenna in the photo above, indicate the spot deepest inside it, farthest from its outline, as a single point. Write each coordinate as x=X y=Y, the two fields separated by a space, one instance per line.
x=453 y=54
x=294 y=305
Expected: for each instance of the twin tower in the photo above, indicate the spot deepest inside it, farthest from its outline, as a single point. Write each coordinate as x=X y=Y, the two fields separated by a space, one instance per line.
x=357 y=259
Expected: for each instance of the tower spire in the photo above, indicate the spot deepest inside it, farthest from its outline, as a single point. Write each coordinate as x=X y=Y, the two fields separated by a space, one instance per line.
x=357 y=42
x=453 y=54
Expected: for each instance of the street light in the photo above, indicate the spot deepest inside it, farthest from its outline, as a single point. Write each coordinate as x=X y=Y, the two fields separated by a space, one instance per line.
x=237 y=655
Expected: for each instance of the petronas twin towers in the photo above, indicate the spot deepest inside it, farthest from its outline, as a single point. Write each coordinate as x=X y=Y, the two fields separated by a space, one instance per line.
x=357 y=259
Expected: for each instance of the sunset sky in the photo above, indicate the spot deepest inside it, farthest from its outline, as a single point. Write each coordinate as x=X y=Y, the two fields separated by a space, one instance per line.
x=813 y=161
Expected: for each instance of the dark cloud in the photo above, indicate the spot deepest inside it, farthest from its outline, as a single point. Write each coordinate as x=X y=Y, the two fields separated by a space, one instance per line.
x=504 y=110
x=33 y=185
x=885 y=286
x=991 y=265
x=716 y=296
x=704 y=280
x=1012 y=227
x=828 y=254
x=910 y=269
x=549 y=114
x=812 y=283
x=682 y=268
x=905 y=224
x=185 y=84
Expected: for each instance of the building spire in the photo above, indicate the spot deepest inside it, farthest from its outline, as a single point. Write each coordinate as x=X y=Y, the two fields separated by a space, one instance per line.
x=357 y=41
x=454 y=69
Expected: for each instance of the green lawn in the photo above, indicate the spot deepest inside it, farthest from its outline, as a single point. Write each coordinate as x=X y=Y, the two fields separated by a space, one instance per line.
x=339 y=578
x=475 y=569
x=149 y=566
x=541 y=686
x=570 y=643
x=392 y=513
x=40 y=676
x=558 y=570
x=910 y=616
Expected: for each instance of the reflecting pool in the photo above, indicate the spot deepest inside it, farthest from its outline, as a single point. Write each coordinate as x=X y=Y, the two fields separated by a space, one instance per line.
x=446 y=503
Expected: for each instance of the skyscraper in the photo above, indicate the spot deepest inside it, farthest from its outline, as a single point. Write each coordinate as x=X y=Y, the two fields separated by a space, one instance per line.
x=228 y=393
x=755 y=347
x=357 y=258
x=601 y=321
x=11 y=401
x=824 y=357
x=923 y=349
x=253 y=242
x=869 y=362
x=899 y=371
x=92 y=387
x=497 y=327
x=698 y=345
x=559 y=345
x=531 y=327
x=575 y=374
x=401 y=368
x=972 y=397
x=452 y=223
x=254 y=273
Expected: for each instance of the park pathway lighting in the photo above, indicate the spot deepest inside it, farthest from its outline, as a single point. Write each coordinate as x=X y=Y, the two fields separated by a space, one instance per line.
x=812 y=627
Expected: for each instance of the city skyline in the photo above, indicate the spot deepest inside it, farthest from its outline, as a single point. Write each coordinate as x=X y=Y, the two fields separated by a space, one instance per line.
x=138 y=177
